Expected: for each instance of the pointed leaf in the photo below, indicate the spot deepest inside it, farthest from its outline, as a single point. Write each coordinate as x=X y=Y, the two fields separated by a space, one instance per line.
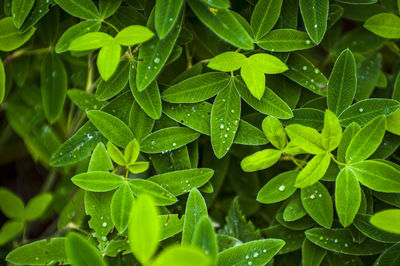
x=265 y=16
x=121 y=205
x=97 y=181
x=100 y=160
x=306 y=138
x=160 y=195
x=166 y=15
x=20 y=10
x=274 y=132
x=314 y=170
x=331 y=132
x=108 y=59
x=10 y=37
x=204 y=237
x=315 y=17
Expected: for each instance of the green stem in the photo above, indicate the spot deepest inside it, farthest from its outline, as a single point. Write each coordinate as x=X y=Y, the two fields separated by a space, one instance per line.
x=111 y=25
x=23 y=52
x=336 y=161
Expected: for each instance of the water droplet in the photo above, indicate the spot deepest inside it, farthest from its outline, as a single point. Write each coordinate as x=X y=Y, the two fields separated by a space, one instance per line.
x=312 y=81
x=223 y=100
x=153 y=142
x=315 y=26
x=282 y=188
x=255 y=254
x=170 y=19
x=37 y=258
x=232 y=111
x=104 y=238
x=104 y=224
x=346 y=245
x=316 y=71
x=156 y=60
x=312 y=196
x=247 y=257
x=226 y=135
x=335 y=240
x=54 y=74
x=264 y=250
x=304 y=68
x=149 y=67
x=249 y=263
x=221 y=126
x=308 y=42
x=174 y=144
x=361 y=110
x=321 y=238
x=320 y=195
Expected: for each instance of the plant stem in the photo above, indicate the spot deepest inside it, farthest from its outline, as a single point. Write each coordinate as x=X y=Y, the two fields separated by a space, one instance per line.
x=23 y=52
x=336 y=161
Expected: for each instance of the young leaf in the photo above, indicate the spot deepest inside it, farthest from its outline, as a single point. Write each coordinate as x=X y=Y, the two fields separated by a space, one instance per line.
x=278 y=188
x=274 y=132
x=37 y=206
x=108 y=59
x=347 y=196
x=182 y=256
x=258 y=252
x=20 y=10
x=227 y=61
x=133 y=35
x=347 y=136
x=117 y=82
x=197 y=88
x=166 y=139
x=260 y=160
x=82 y=8
x=90 y=41
x=285 y=40
x=265 y=16
x=10 y=37
x=144 y=230
x=81 y=252
x=11 y=205
x=161 y=196
x=54 y=84
x=225 y=116
x=97 y=181
x=306 y=138
x=100 y=160
x=331 y=132
x=121 y=205
x=366 y=141
x=386 y=25
x=342 y=83
x=315 y=17
x=318 y=204
x=204 y=237
x=115 y=154
x=312 y=254
x=166 y=15
x=111 y=127
x=387 y=220
x=314 y=170
x=223 y=23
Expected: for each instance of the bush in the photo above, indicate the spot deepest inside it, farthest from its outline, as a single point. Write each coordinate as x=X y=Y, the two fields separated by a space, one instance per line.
x=200 y=132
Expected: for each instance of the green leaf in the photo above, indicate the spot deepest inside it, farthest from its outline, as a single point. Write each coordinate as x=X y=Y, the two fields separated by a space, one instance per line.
x=42 y=252
x=196 y=208
x=260 y=160
x=368 y=72
x=223 y=23
x=386 y=25
x=347 y=137
x=393 y=124
x=204 y=237
x=363 y=224
x=10 y=37
x=108 y=59
x=133 y=35
x=72 y=210
x=312 y=254
x=314 y=170
x=364 y=111
x=304 y=73
x=90 y=41
x=227 y=61
x=294 y=209
x=285 y=40
x=306 y=138
x=315 y=17
x=225 y=116
x=166 y=139
x=342 y=83
x=117 y=82
x=396 y=89
x=139 y=122
x=274 y=132
x=108 y=8
x=11 y=205
x=160 y=195
x=390 y=256
x=278 y=188
x=309 y=117
x=97 y=181
x=9 y=230
x=341 y=241
x=121 y=205
x=171 y=225
x=197 y=88
x=132 y=151
x=166 y=16
x=20 y=10
x=217 y=3
x=149 y=99
x=264 y=17
x=144 y=229
x=54 y=84
x=114 y=129
x=85 y=101
x=37 y=206
x=79 y=8
x=269 y=104
x=331 y=132
x=100 y=160
x=318 y=204
x=81 y=252
x=377 y=175
x=366 y=141
x=180 y=182
x=258 y=252
x=347 y=196
x=175 y=255
x=2 y=82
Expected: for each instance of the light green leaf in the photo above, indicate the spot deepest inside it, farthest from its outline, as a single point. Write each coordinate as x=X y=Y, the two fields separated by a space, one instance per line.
x=364 y=111
x=196 y=208
x=366 y=141
x=115 y=154
x=197 y=88
x=10 y=37
x=393 y=122
x=37 y=206
x=90 y=41
x=42 y=252
x=204 y=237
x=138 y=167
x=120 y=207
x=9 y=230
x=396 y=89
x=117 y=82
x=166 y=139
x=347 y=196
x=132 y=151
x=160 y=195
x=108 y=8
x=260 y=160
x=348 y=135
x=180 y=182
x=133 y=35
x=114 y=129
x=227 y=61
x=285 y=40
x=54 y=84
x=20 y=10
x=171 y=225
x=318 y=204
x=225 y=116
x=223 y=23
x=166 y=16
x=312 y=254
x=79 y=8
x=342 y=83
x=377 y=175
x=387 y=220
x=278 y=188
x=315 y=17
x=363 y=224
x=331 y=132
x=254 y=79
x=314 y=170
x=306 y=138
x=81 y=252
x=144 y=230
x=2 y=82
x=274 y=132
x=267 y=63
x=97 y=181
x=182 y=256
x=264 y=17
x=258 y=252
x=108 y=59
x=386 y=25
x=11 y=205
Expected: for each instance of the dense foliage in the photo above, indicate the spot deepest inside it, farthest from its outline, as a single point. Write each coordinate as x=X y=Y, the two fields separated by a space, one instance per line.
x=200 y=132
